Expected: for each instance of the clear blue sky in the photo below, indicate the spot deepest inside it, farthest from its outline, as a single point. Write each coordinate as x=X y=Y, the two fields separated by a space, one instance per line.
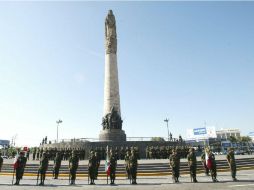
x=187 y=61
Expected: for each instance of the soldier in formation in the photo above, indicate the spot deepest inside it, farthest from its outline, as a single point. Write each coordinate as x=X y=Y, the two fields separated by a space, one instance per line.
x=19 y=167
x=73 y=166
x=231 y=163
x=57 y=165
x=133 y=166
x=192 y=163
x=174 y=162
x=92 y=165
x=112 y=165
x=44 y=162
x=127 y=164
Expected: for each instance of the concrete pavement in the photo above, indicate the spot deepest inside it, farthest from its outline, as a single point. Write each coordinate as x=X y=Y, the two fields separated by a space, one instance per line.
x=245 y=177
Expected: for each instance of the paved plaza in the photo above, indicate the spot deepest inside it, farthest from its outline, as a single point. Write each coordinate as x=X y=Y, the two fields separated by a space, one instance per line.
x=245 y=177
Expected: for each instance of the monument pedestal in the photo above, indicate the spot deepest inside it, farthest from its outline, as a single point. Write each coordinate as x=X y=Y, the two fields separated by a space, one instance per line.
x=112 y=135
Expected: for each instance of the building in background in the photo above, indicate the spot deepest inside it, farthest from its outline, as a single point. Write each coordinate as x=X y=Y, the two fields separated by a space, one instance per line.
x=4 y=143
x=224 y=134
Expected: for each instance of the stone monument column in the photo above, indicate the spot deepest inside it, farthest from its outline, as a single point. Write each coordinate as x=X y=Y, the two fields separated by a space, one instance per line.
x=111 y=121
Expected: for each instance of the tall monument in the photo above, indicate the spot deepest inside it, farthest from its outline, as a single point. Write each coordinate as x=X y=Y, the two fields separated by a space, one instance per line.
x=111 y=121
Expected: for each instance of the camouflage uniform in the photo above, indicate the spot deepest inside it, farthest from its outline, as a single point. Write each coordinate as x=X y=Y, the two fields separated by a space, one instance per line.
x=73 y=166
x=133 y=166
x=112 y=165
x=192 y=162
x=43 y=167
x=19 y=166
x=57 y=165
x=174 y=162
x=127 y=164
x=231 y=163
x=92 y=167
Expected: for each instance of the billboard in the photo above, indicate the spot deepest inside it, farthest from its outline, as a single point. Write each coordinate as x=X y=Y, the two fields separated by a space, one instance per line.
x=201 y=133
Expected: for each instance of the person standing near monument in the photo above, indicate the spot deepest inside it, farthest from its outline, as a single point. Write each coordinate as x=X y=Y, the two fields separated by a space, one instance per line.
x=133 y=166
x=231 y=163
x=112 y=165
x=127 y=164
x=44 y=162
x=192 y=163
x=92 y=167
x=174 y=162
x=73 y=166
x=19 y=166
x=57 y=165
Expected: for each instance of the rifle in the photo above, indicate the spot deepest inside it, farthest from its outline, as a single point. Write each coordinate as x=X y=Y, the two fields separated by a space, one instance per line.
x=69 y=176
x=13 y=175
x=88 y=175
x=38 y=176
x=130 y=175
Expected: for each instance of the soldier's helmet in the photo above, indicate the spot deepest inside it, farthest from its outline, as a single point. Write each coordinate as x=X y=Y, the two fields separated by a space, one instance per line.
x=191 y=149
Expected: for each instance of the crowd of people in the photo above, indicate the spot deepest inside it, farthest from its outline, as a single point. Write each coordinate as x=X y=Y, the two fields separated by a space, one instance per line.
x=112 y=155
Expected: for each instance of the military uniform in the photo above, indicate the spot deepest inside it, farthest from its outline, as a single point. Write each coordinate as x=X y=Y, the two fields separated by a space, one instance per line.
x=174 y=162
x=127 y=164
x=112 y=165
x=192 y=162
x=133 y=166
x=73 y=166
x=44 y=162
x=57 y=165
x=231 y=163
x=92 y=167
x=19 y=166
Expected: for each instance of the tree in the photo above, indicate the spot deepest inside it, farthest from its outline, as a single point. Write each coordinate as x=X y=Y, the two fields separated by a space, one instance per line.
x=232 y=139
x=157 y=139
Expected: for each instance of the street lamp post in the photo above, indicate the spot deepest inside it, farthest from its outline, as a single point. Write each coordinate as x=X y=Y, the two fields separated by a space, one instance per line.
x=167 y=120
x=58 y=122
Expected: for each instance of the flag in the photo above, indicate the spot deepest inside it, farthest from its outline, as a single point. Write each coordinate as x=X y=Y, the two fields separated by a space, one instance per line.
x=107 y=163
x=208 y=161
x=15 y=162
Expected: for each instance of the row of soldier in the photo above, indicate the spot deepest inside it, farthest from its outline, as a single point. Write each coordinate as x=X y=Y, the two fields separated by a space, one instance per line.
x=163 y=152
x=131 y=157
x=152 y=152
x=81 y=152
x=93 y=166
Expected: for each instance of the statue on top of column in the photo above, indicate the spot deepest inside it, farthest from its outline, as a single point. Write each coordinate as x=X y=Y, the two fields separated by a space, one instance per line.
x=112 y=120
x=110 y=33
